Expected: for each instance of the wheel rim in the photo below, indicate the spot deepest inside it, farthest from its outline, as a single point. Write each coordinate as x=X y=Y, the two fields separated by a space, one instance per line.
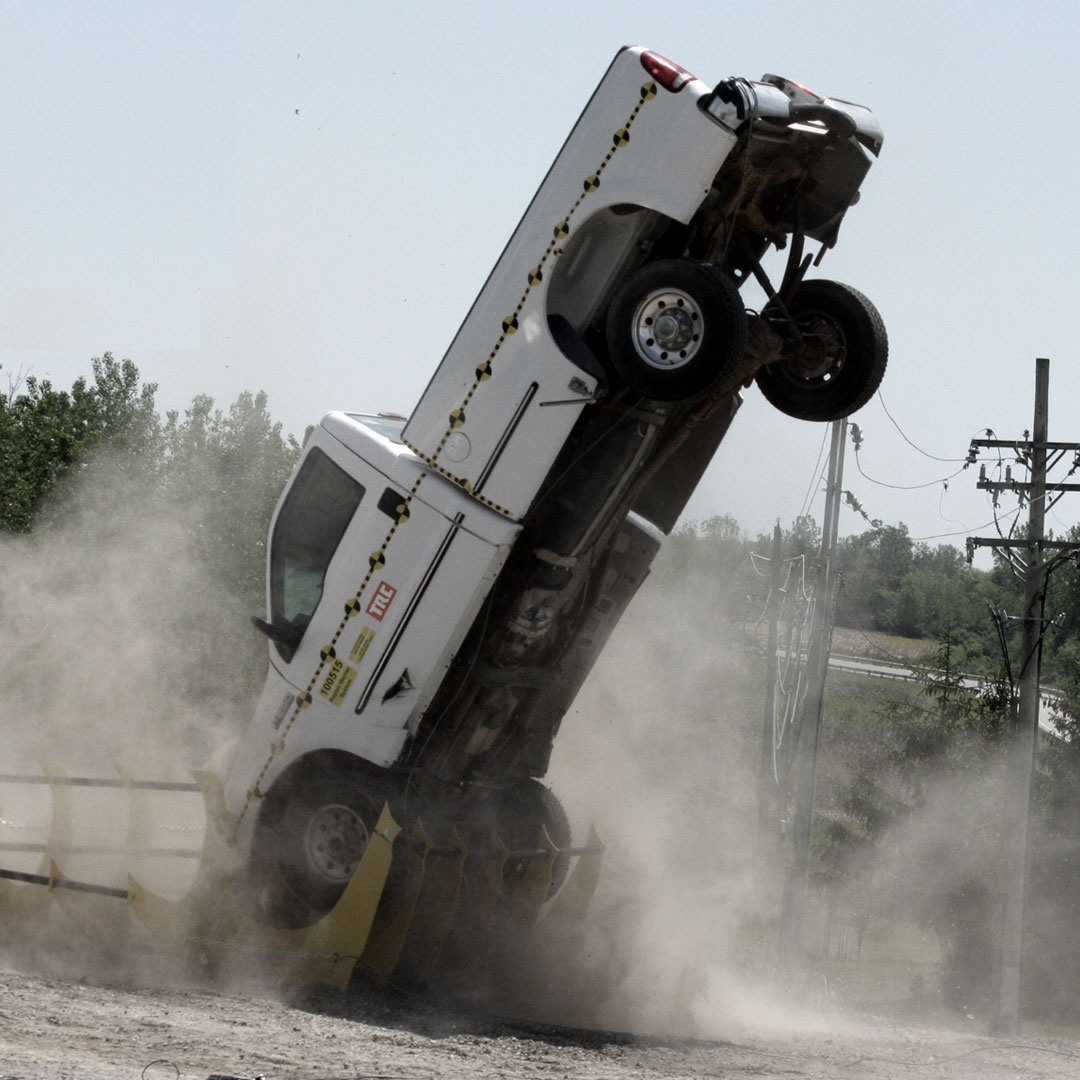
x=335 y=841
x=667 y=329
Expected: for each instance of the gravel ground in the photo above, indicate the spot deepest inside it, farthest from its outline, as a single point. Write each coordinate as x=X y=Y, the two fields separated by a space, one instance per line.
x=57 y=1028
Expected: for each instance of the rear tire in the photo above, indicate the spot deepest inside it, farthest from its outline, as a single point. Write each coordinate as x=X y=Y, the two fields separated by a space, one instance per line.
x=840 y=361
x=676 y=330
x=524 y=810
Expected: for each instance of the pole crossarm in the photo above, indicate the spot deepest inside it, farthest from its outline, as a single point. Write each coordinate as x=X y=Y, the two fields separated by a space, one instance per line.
x=1023 y=445
x=1019 y=485
x=1040 y=545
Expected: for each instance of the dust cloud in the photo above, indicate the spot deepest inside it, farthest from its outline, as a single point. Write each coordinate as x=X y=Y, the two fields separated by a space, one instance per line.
x=121 y=647
x=121 y=651
x=118 y=645
x=661 y=752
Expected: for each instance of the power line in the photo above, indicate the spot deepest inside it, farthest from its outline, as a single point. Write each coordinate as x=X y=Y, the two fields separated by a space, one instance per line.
x=905 y=487
x=960 y=532
x=999 y=463
x=933 y=457
x=853 y=502
x=819 y=472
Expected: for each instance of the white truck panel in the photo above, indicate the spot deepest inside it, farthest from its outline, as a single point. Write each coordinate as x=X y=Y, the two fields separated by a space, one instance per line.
x=488 y=418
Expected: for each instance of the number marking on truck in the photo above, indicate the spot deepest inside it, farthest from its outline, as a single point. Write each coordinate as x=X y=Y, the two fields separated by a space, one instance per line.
x=337 y=682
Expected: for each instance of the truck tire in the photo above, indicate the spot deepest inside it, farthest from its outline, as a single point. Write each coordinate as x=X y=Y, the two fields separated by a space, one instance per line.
x=526 y=808
x=312 y=832
x=840 y=360
x=676 y=330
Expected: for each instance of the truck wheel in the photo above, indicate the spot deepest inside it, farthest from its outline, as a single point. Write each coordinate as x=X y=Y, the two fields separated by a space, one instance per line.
x=839 y=360
x=312 y=832
x=525 y=809
x=676 y=330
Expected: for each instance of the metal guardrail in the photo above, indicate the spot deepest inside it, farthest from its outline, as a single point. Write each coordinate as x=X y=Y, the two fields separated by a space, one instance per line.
x=100 y=782
x=891 y=669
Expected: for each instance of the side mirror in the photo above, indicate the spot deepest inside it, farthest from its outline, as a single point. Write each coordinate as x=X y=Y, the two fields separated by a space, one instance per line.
x=284 y=634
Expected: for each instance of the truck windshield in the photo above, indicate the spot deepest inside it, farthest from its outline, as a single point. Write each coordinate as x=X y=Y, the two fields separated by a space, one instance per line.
x=309 y=528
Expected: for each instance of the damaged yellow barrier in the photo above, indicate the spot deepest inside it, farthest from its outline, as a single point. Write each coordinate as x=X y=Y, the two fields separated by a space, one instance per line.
x=447 y=908
x=210 y=920
x=19 y=905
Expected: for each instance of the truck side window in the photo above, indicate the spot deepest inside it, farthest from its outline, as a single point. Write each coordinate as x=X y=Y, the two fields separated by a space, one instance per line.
x=308 y=529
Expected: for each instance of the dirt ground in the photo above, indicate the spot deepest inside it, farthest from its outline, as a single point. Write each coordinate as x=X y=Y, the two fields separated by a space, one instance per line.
x=56 y=1028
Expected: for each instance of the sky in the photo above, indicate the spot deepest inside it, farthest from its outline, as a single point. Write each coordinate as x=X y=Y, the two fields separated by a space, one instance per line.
x=305 y=199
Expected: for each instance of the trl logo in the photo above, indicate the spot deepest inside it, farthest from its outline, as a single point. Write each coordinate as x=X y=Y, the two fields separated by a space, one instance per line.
x=379 y=604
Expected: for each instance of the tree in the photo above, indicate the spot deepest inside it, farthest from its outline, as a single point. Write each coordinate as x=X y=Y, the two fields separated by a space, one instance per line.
x=45 y=433
x=146 y=541
x=223 y=469
x=714 y=554
x=803 y=538
x=228 y=468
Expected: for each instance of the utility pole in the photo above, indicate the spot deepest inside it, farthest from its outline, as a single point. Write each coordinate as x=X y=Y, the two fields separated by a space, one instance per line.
x=1022 y=741
x=797 y=886
x=766 y=781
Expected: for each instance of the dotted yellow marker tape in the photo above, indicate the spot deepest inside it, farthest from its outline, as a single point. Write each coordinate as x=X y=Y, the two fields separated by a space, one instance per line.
x=536 y=275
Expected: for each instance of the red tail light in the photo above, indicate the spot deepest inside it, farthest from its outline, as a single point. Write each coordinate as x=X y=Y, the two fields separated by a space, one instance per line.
x=670 y=76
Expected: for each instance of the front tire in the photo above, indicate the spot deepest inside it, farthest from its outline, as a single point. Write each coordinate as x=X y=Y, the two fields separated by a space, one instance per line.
x=838 y=359
x=312 y=832
x=676 y=330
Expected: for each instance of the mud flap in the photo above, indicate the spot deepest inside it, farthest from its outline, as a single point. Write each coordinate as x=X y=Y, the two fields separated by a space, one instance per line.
x=394 y=918
x=437 y=903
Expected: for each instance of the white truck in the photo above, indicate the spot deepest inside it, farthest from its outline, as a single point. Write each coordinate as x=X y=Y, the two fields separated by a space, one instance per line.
x=440 y=587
